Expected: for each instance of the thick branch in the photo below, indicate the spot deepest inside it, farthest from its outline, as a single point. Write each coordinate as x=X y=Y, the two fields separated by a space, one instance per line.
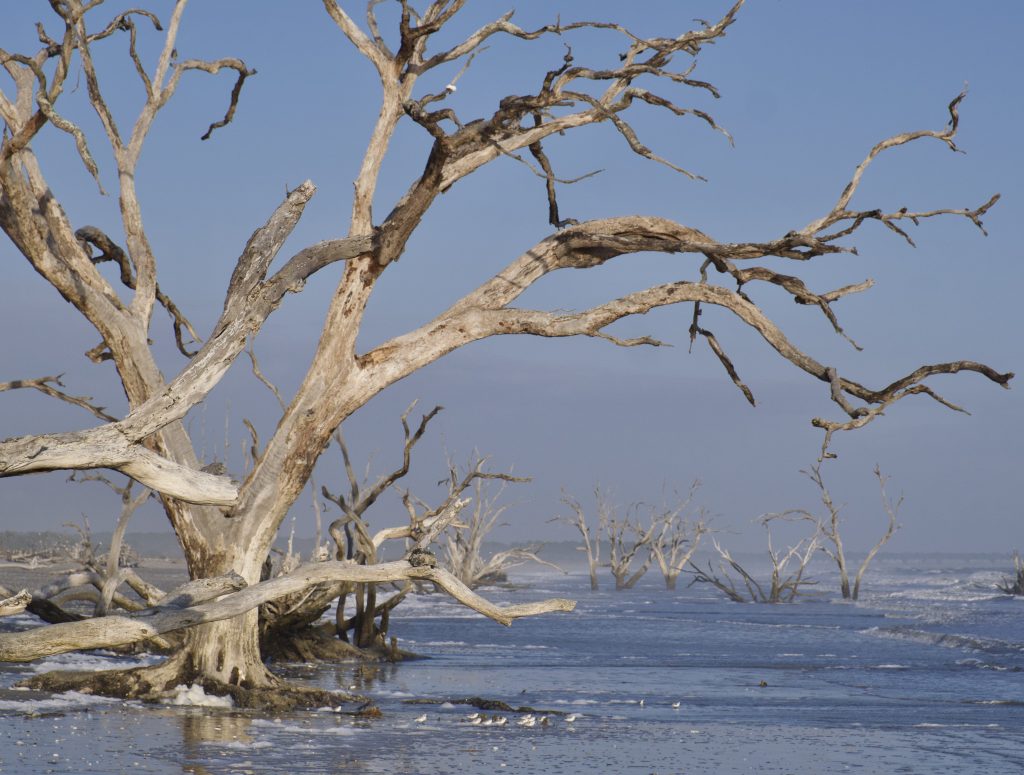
x=123 y=629
x=105 y=447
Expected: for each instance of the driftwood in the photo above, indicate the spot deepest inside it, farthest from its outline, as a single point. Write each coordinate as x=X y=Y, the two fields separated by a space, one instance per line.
x=79 y=585
x=121 y=629
x=353 y=541
x=669 y=538
x=14 y=604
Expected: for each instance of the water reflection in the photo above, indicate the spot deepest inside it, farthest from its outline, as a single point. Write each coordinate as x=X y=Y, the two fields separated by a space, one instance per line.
x=203 y=730
x=359 y=679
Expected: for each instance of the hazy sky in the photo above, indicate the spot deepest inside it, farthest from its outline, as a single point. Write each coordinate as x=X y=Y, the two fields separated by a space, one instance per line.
x=807 y=88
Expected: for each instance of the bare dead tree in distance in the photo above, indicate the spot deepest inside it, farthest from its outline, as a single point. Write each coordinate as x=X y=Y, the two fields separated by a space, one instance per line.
x=628 y=540
x=788 y=568
x=1014 y=585
x=227 y=526
x=591 y=541
x=463 y=542
x=832 y=540
x=678 y=537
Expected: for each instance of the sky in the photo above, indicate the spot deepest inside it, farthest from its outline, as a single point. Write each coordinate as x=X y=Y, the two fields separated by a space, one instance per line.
x=807 y=87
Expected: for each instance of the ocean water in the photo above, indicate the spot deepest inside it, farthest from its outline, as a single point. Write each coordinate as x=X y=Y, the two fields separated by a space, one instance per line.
x=924 y=675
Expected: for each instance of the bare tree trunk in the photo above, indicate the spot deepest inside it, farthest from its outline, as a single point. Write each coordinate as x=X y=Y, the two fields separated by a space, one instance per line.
x=225 y=652
x=891 y=510
x=592 y=546
x=621 y=549
x=830 y=530
x=678 y=539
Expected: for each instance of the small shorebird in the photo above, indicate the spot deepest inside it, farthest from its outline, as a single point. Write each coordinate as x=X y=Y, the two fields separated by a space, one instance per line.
x=421 y=719
x=572 y=717
x=676 y=705
x=500 y=721
x=476 y=720
x=527 y=721
x=641 y=703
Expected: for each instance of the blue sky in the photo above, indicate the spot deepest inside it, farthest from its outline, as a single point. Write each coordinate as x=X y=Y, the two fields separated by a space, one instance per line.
x=807 y=88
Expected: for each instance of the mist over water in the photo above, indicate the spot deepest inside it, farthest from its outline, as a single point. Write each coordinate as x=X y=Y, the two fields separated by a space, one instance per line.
x=922 y=675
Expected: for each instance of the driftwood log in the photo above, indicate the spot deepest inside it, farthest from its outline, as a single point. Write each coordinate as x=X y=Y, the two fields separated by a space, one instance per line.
x=188 y=608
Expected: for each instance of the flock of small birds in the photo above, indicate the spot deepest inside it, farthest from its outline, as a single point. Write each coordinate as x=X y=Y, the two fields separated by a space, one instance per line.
x=495 y=720
x=528 y=720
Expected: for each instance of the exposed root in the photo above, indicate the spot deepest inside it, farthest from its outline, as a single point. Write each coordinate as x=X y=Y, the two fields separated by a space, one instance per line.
x=319 y=644
x=261 y=690
x=156 y=684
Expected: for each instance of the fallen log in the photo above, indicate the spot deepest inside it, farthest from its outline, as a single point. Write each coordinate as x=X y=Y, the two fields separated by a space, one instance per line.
x=122 y=629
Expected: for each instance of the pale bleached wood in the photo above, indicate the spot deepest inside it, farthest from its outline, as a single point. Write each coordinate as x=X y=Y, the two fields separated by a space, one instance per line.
x=120 y=630
x=15 y=604
x=199 y=591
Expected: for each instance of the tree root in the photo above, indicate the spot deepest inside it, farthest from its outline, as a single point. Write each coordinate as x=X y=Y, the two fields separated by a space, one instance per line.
x=319 y=644
x=156 y=684
x=267 y=692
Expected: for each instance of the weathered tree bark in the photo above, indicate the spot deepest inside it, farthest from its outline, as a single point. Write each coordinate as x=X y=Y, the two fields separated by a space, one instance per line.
x=228 y=526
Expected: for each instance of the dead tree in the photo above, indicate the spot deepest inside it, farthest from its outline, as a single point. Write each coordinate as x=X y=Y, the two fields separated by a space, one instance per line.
x=228 y=526
x=785 y=582
x=678 y=537
x=830 y=531
x=1015 y=584
x=627 y=538
x=354 y=541
x=591 y=544
x=463 y=541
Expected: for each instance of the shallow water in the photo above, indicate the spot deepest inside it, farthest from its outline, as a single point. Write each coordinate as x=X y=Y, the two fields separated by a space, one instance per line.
x=924 y=675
